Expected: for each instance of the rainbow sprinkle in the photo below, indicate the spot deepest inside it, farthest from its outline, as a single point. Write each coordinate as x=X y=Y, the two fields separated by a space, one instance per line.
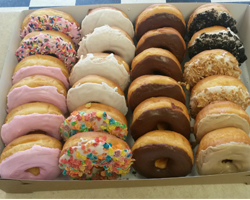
x=95 y=159
x=56 y=23
x=46 y=44
x=80 y=121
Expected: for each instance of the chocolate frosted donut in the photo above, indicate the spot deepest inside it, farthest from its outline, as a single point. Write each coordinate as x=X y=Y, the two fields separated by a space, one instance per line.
x=160 y=154
x=210 y=14
x=165 y=38
x=148 y=86
x=217 y=37
x=160 y=113
x=156 y=61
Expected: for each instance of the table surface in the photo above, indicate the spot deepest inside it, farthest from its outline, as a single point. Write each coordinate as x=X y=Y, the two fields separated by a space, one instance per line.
x=7 y=18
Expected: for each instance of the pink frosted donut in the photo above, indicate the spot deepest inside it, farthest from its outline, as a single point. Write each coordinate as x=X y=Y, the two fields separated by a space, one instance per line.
x=31 y=157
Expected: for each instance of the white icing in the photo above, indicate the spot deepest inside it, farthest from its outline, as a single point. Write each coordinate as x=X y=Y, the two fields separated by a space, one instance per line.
x=109 y=17
x=93 y=92
x=105 y=38
x=107 y=67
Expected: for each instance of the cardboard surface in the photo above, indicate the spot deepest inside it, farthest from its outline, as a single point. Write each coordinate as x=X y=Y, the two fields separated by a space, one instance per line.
x=240 y=12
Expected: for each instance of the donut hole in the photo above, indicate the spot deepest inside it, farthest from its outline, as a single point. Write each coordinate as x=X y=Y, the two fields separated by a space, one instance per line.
x=37 y=132
x=227 y=161
x=162 y=126
x=109 y=52
x=161 y=163
x=34 y=170
x=158 y=73
x=53 y=55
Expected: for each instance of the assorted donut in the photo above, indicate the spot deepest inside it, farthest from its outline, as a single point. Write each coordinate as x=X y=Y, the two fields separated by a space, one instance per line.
x=71 y=92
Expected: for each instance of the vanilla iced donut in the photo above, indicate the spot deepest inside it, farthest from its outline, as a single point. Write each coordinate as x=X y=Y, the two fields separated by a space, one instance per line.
x=93 y=88
x=106 y=16
x=223 y=150
x=109 y=66
x=108 y=39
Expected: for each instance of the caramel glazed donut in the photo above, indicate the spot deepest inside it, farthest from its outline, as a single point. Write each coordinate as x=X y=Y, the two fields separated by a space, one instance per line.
x=93 y=156
x=160 y=113
x=217 y=37
x=218 y=88
x=158 y=16
x=32 y=156
x=210 y=14
x=223 y=150
x=160 y=154
x=220 y=114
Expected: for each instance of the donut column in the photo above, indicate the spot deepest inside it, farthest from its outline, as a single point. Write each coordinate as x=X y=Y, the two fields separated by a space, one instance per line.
x=218 y=98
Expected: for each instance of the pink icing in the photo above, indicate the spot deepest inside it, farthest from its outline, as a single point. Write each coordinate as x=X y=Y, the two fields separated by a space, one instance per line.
x=25 y=94
x=42 y=70
x=22 y=124
x=15 y=166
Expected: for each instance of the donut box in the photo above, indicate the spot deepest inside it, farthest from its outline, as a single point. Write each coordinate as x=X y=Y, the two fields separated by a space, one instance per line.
x=241 y=13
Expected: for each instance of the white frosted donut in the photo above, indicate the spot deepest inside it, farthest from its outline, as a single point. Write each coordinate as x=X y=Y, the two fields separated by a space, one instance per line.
x=106 y=16
x=108 y=39
x=107 y=65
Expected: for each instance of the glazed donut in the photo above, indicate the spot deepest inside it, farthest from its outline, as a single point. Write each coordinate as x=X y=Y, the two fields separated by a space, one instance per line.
x=220 y=114
x=95 y=117
x=108 y=39
x=95 y=155
x=32 y=117
x=161 y=154
x=111 y=16
x=32 y=156
x=218 y=88
x=208 y=63
x=165 y=38
x=217 y=37
x=48 y=43
x=160 y=113
x=109 y=66
x=148 y=86
x=159 y=16
x=43 y=65
x=37 y=88
x=50 y=19
x=210 y=14
x=156 y=61
x=93 y=88
x=224 y=150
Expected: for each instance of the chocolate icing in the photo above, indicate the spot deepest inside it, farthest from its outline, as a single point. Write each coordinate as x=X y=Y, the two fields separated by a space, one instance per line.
x=211 y=18
x=179 y=162
x=157 y=65
x=220 y=40
x=160 y=20
x=155 y=90
x=172 y=117
x=171 y=42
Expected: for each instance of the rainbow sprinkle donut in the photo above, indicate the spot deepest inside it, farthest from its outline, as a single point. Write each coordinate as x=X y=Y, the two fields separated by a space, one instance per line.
x=95 y=156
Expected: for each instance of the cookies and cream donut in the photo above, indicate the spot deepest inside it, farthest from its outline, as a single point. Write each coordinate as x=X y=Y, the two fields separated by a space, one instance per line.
x=32 y=117
x=93 y=88
x=37 y=88
x=106 y=16
x=48 y=43
x=43 y=65
x=218 y=88
x=165 y=38
x=156 y=61
x=32 y=157
x=95 y=156
x=220 y=114
x=148 y=86
x=50 y=19
x=108 y=39
x=109 y=66
x=95 y=117
x=217 y=37
x=224 y=150
x=210 y=14
x=159 y=16
x=160 y=154
x=160 y=113
x=208 y=63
